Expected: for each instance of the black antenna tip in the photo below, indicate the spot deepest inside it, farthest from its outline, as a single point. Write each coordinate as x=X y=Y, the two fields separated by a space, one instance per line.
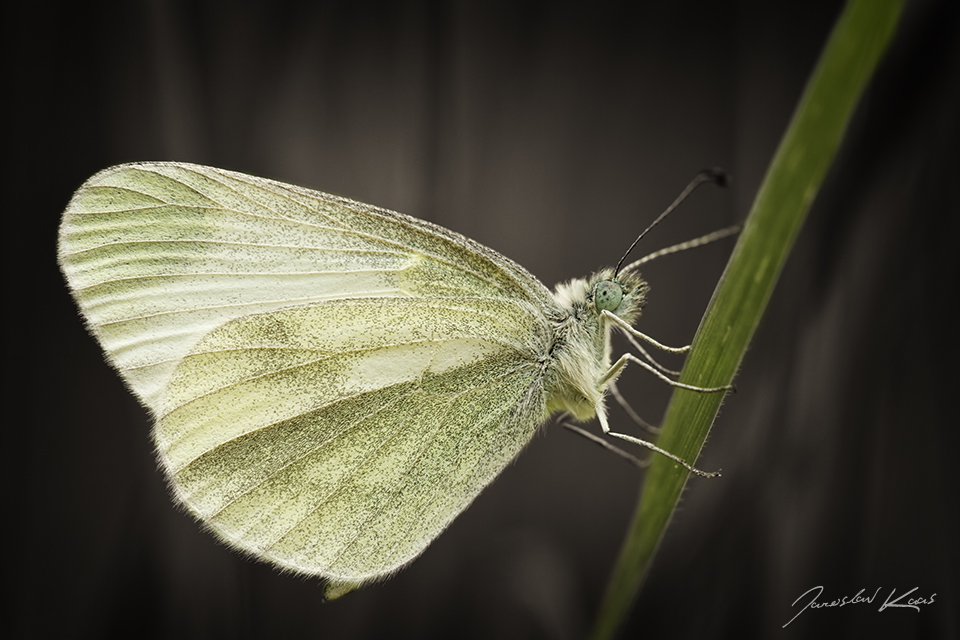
x=717 y=175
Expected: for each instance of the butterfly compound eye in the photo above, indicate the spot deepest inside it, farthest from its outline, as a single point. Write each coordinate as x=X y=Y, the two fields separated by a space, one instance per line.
x=607 y=295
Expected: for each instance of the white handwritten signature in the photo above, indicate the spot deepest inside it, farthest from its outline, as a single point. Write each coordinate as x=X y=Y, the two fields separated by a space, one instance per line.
x=912 y=603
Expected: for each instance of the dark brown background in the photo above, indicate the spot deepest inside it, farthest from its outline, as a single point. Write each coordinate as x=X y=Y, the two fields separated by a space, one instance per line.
x=552 y=132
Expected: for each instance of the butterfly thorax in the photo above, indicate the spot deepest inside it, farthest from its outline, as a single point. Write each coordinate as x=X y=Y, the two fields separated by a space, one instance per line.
x=580 y=356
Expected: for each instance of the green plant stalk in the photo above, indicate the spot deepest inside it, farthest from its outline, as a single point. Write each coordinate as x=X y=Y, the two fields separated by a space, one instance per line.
x=846 y=65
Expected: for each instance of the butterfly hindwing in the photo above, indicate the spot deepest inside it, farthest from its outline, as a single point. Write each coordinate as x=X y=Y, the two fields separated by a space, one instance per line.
x=345 y=452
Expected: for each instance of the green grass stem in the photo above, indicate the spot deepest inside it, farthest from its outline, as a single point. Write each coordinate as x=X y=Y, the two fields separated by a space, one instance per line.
x=793 y=179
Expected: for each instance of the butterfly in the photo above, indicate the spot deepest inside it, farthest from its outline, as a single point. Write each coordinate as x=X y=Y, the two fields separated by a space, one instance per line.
x=331 y=383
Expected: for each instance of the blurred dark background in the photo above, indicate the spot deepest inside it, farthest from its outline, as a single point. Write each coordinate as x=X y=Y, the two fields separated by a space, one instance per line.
x=552 y=132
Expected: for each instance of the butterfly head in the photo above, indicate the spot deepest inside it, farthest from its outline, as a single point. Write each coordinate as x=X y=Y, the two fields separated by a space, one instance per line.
x=623 y=294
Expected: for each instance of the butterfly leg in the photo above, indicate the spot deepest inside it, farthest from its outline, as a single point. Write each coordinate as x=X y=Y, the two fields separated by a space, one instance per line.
x=618 y=366
x=615 y=392
x=652 y=447
x=630 y=330
x=645 y=354
x=606 y=445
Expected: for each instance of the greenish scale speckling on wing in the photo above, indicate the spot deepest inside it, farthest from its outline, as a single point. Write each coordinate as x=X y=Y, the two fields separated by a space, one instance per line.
x=331 y=383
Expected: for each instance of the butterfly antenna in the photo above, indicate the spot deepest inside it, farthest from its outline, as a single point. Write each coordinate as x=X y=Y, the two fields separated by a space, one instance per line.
x=716 y=176
x=683 y=246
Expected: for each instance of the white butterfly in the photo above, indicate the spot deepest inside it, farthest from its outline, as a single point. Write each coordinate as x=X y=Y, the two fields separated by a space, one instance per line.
x=331 y=383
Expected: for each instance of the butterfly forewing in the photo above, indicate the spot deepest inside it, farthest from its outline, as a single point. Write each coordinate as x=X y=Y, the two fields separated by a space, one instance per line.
x=158 y=255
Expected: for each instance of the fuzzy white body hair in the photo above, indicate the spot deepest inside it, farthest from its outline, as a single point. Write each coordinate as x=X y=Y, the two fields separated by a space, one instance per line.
x=581 y=357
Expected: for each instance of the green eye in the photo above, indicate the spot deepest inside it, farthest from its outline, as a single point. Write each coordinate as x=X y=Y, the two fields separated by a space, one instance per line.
x=608 y=295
